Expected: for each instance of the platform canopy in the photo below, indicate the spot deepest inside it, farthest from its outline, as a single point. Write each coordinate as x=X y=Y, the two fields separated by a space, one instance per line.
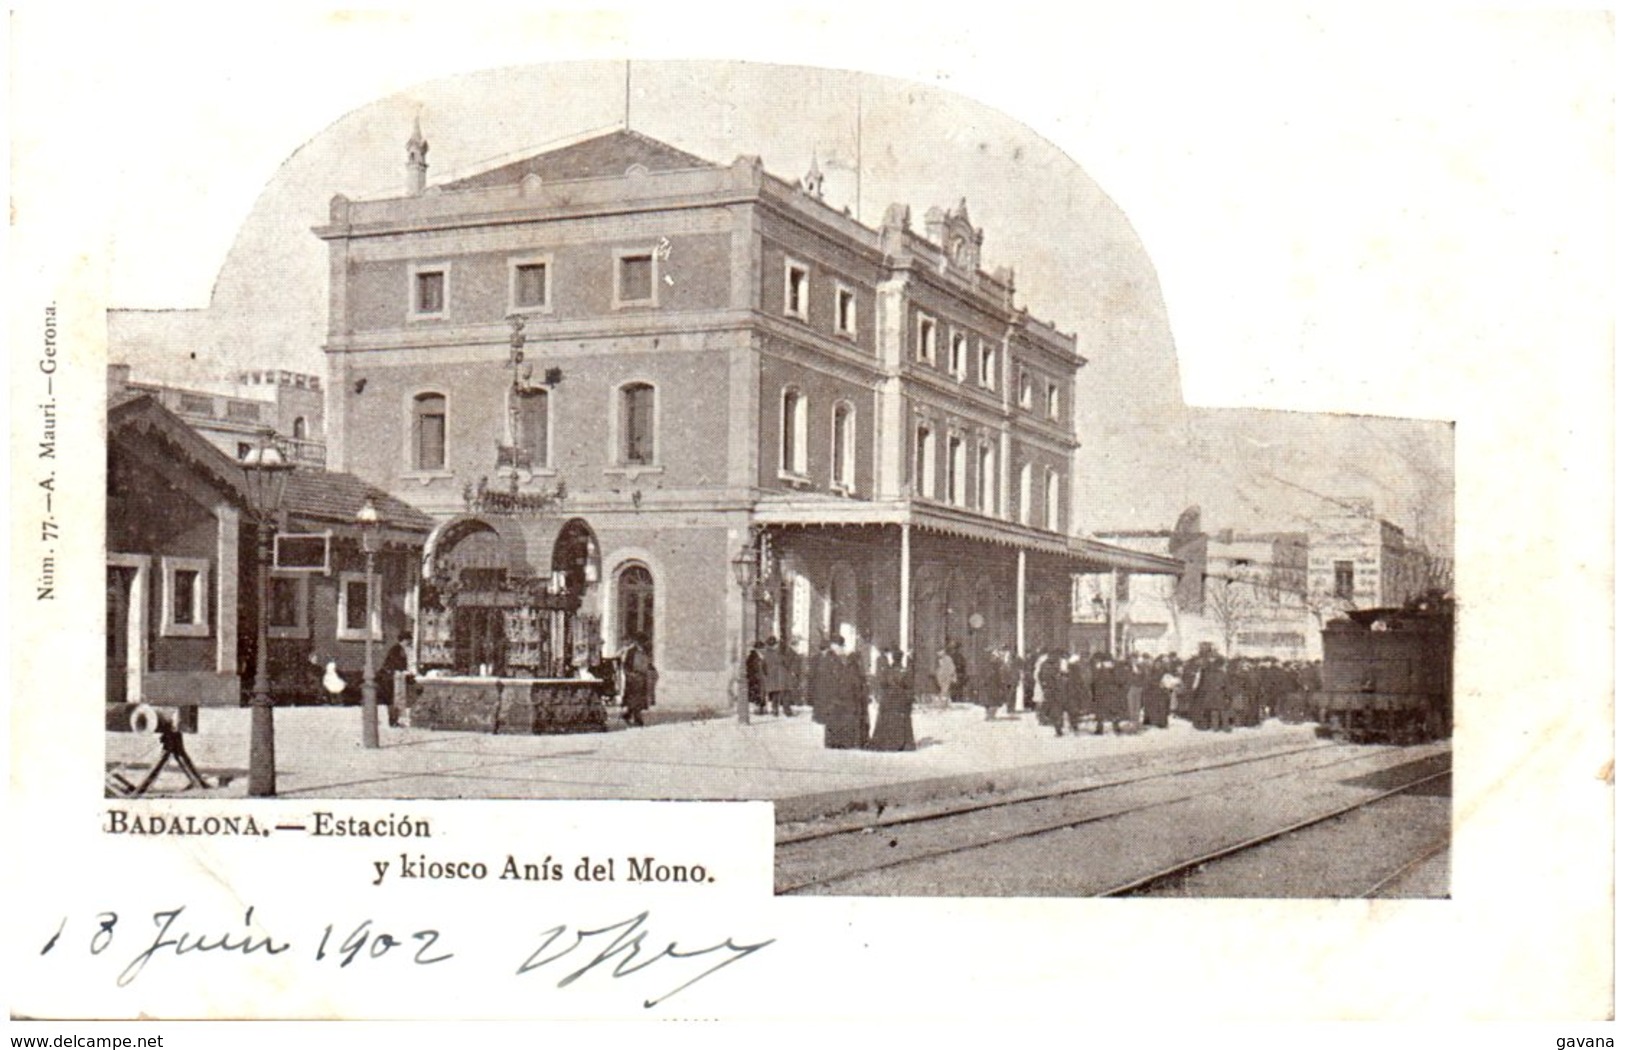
x=1089 y=555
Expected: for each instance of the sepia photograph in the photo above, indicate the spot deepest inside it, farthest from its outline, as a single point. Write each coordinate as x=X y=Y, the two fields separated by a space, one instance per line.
x=599 y=435
x=885 y=454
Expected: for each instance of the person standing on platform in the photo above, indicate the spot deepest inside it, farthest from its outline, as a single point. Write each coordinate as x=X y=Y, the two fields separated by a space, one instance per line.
x=397 y=661
x=842 y=703
x=961 y=680
x=1051 y=692
x=988 y=677
x=1158 y=693
x=755 y=690
x=638 y=669
x=775 y=678
x=1080 y=690
x=1134 y=681
x=1007 y=679
x=894 y=724
x=947 y=676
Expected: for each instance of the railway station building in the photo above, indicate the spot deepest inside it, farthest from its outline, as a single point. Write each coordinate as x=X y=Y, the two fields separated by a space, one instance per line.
x=642 y=393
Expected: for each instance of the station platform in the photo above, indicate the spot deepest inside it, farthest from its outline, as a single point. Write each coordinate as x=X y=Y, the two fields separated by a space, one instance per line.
x=782 y=759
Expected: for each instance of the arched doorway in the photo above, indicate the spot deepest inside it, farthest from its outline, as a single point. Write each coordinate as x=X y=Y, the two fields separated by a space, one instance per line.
x=575 y=570
x=635 y=604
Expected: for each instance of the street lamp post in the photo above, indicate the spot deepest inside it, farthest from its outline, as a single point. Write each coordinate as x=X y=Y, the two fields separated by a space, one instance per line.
x=371 y=540
x=745 y=569
x=266 y=471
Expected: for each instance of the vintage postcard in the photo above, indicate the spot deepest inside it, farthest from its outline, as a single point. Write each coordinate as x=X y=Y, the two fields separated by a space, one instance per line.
x=643 y=514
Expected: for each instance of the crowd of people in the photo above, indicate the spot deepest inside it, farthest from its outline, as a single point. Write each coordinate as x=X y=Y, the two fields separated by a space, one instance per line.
x=1068 y=691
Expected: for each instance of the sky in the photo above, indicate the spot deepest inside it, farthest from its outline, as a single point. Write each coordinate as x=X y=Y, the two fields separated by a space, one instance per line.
x=1383 y=211
x=1331 y=200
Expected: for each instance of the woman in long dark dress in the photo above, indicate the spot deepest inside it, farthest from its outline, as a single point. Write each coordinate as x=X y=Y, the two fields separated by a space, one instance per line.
x=844 y=703
x=894 y=725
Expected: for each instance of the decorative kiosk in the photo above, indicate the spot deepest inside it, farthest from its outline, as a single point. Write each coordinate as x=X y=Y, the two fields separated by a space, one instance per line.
x=504 y=651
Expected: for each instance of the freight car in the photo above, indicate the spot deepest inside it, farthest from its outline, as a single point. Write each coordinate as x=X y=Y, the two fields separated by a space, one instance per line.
x=1386 y=674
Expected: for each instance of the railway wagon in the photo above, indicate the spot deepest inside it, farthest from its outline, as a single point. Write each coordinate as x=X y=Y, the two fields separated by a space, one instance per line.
x=1386 y=674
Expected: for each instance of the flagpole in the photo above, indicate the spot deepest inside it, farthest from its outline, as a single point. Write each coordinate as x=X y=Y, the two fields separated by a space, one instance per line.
x=859 y=209
x=626 y=114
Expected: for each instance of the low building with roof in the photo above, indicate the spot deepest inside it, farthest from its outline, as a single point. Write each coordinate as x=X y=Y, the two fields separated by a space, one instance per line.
x=182 y=562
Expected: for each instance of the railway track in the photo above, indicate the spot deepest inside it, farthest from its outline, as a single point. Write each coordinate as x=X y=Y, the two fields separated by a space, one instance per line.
x=1224 y=853
x=1105 y=839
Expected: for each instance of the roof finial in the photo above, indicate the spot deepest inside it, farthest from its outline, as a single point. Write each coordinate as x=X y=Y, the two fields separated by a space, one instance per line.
x=812 y=183
x=417 y=158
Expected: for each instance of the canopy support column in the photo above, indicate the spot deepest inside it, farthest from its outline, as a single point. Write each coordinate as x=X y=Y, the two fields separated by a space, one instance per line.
x=905 y=580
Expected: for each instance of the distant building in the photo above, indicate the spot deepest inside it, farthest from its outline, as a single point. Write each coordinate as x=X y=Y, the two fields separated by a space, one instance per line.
x=1250 y=593
x=233 y=414
x=623 y=372
x=1359 y=561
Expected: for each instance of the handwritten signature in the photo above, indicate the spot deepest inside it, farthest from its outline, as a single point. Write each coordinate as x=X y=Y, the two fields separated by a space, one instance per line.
x=622 y=949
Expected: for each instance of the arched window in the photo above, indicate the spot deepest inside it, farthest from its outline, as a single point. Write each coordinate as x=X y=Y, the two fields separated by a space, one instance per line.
x=841 y=451
x=635 y=600
x=984 y=478
x=301 y=429
x=925 y=462
x=530 y=425
x=1052 y=500
x=429 y=432
x=638 y=423
x=1024 y=496
x=793 y=433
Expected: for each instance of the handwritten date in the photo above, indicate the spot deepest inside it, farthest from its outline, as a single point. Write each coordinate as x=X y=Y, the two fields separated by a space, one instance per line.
x=619 y=949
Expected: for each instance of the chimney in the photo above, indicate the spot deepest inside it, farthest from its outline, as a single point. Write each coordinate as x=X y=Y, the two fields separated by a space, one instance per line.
x=417 y=160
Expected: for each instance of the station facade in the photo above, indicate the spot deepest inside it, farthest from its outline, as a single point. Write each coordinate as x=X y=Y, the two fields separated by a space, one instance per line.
x=696 y=403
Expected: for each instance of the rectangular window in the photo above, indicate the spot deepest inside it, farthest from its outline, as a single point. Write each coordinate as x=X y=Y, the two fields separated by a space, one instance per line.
x=635 y=279
x=185 y=598
x=1024 y=388
x=638 y=424
x=532 y=286
x=841 y=450
x=289 y=601
x=243 y=411
x=984 y=479
x=846 y=312
x=531 y=411
x=197 y=405
x=429 y=292
x=184 y=612
x=956 y=469
x=925 y=346
x=359 y=607
x=797 y=282
x=990 y=362
x=1052 y=401
x=429 y=432
x=956 y=354
x=1342 y=579
x=925 y=463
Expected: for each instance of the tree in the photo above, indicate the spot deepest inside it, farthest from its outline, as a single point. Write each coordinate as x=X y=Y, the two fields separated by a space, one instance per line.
x=1231 y=604
x=1168 y=592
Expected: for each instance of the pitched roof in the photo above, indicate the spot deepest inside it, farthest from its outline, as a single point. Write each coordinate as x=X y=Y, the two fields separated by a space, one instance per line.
x=608 y=155
x=330 y=496
x=139 y=413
